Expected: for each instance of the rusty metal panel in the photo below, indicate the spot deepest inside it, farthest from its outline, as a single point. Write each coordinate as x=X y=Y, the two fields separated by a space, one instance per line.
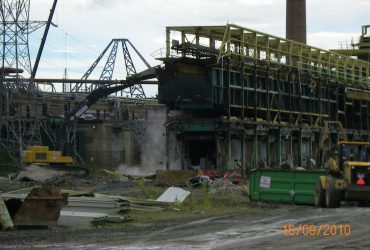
x=174 y=177
x=41 y=207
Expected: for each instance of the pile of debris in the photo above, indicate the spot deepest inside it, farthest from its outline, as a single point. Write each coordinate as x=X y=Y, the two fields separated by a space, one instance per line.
x=226 y=178
x=40 y=207
x=44 y=206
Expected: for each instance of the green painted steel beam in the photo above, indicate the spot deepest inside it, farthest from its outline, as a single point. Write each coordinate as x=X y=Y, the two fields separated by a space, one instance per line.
x=240 y=44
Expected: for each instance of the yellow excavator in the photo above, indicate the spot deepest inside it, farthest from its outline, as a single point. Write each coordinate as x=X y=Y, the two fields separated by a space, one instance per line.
x=42 y=155
x=348 y=170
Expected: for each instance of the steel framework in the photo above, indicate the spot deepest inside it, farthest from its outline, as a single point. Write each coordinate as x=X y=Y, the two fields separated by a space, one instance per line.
x=15 y=28
x=276 y=93
x=359 y=49
x=16 y=84
x=108 y=70
x=240 y=44
x=22 y=132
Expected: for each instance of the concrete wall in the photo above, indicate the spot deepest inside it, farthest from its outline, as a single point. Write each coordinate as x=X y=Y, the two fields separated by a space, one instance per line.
x=100 y=145
x=140 y=142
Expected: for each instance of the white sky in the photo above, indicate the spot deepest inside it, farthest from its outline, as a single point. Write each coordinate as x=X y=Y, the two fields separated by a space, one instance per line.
x=85 y=27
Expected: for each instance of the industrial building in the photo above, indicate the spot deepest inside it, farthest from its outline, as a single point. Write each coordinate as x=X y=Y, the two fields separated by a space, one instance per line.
x=228 y=96
x=254 y=99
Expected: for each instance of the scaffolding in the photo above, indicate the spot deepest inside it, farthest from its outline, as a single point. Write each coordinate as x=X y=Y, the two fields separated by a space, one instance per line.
x=359 y=49
x=275 y=93
x=239 y=44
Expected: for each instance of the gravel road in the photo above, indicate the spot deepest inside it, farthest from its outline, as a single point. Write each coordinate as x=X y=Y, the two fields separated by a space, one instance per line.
x=262 y=230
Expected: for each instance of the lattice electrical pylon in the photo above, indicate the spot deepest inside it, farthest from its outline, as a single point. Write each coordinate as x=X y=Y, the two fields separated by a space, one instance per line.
x=14 y=31
x=107 y=73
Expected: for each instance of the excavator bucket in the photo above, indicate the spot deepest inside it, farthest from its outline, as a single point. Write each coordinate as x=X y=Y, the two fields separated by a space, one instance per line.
x=41 y=207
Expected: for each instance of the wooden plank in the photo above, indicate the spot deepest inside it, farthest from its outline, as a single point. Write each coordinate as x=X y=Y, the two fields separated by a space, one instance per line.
x=5 y=219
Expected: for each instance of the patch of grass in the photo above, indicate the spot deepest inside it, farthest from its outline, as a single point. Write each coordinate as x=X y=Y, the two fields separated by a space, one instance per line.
x=148 y=191
x=139 y=217
x=153 y=192
x=140 y=182
x=201 y=200
x=199 y=204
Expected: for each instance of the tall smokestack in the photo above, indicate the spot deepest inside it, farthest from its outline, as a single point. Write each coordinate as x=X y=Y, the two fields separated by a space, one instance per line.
x=296 y=20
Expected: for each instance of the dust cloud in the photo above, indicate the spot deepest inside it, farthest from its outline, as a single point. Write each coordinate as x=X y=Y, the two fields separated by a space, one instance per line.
x=152 y=143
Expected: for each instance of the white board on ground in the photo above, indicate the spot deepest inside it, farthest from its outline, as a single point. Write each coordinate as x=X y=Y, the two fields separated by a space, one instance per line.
x=174 y=194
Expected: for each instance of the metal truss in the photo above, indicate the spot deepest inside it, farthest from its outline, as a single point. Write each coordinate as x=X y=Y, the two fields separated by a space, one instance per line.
x=140 y=130
x=15 y=27
x=241 y=45
x=108 y=70
x=21 y=133
x=16 y=83
x=70 y=147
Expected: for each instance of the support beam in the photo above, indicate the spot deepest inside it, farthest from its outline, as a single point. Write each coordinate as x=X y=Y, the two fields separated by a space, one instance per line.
x=43 y=40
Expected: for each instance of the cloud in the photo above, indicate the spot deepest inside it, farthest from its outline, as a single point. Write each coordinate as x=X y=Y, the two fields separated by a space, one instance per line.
x=331 y=40
x=257 y=2
x=103 y=3
x=64 y=50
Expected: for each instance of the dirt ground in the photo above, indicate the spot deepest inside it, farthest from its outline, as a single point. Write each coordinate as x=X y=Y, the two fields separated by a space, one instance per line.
x=248 y=225
x=258 y=230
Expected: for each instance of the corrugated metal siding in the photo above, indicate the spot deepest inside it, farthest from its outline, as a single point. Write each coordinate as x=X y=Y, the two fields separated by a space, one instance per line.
x=174 y=194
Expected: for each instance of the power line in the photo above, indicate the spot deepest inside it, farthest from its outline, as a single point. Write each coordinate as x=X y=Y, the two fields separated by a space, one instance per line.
x=129 y=14
x=190 y=10
x=55 y=48
x=77 y=40
x=74 y=38
x=59 y=66
x=155 y=10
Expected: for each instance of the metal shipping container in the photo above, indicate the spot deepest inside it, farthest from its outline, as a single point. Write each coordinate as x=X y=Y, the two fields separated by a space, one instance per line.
x=279 y=185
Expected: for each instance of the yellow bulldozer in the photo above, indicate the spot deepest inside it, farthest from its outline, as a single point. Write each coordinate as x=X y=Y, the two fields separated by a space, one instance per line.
x=348 y=170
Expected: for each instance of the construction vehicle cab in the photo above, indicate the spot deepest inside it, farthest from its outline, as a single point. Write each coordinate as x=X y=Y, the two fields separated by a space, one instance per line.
x=42 y=154
x=353 y=151
x=348 y=176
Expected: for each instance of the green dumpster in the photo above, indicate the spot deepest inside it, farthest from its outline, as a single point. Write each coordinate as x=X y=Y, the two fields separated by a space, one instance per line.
x=278 y=185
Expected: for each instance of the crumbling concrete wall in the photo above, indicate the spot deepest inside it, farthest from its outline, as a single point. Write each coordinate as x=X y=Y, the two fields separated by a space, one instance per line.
x=154 y=139
x=175 y=150
x=100 y=144
x=148 y=138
